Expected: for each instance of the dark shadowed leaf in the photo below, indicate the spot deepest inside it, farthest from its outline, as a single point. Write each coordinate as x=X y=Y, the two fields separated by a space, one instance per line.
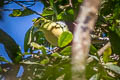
x=66 y=51
x=114 y=40
x=28 y=39
x=93 y=50
x=11 y=46
x=0 y=70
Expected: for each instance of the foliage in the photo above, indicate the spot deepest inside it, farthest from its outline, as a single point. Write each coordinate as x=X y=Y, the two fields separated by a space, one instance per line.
x=49 y=63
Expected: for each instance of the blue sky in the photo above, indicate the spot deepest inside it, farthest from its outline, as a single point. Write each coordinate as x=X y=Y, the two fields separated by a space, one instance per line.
x=16 y=27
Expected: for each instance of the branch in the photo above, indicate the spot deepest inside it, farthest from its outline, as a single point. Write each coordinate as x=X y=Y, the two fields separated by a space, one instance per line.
x=7 y=9
x=81 y=42
x=100 y=52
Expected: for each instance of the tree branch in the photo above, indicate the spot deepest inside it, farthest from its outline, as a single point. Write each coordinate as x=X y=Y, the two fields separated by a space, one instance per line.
x=81 y=42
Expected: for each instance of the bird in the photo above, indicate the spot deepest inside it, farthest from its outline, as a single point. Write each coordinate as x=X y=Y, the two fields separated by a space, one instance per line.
x=52 y=30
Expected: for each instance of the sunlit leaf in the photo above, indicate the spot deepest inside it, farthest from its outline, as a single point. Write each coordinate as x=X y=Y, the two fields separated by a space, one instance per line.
x=44 y=61
x=107 y=54
x=65 y=38
x=95 y=77
x=51 y=2
x=80 y=0
x=56 y=55
x=20 y=13
x=29 y=62
x=47 y=12
x=37 y=46
x=113 y=67
x=16 y=13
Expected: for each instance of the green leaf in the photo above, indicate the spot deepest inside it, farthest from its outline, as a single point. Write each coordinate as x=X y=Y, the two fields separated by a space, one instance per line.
x=27 y=12
x=114 y=40
x=90 y=69
x=61 y=16
x=0 y=69
x=37 y=46
x=29 y=62
x=3 y=59
x=47 y=12
x=20 y=13
x=66 y=51
x=65 y=38
x=80 y=0
x=10 y=45
x=67 y=15
x=16 y=13
x=26 y=53
x=107 y=54
x=28 y=39
x=93 y=50
x=56 y=55
x=95 y=77
x=113 y=67
x=44 y=61
x=51 y=2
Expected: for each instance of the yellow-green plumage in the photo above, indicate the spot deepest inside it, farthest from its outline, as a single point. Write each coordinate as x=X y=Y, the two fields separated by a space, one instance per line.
x=51 y=30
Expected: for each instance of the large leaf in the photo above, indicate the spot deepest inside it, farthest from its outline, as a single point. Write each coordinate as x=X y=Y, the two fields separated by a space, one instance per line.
x=95 y=77
x=113 y=67
x=115 y=40
x=28 y=39
x=65 y=38
x=11 y=47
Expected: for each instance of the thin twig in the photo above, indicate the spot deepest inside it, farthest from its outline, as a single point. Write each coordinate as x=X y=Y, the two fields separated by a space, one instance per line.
x=100 y=52
x=70 y=3
x=7 y=9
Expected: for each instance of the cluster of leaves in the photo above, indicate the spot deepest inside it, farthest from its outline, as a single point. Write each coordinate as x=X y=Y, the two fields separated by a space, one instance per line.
x=55 y=65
